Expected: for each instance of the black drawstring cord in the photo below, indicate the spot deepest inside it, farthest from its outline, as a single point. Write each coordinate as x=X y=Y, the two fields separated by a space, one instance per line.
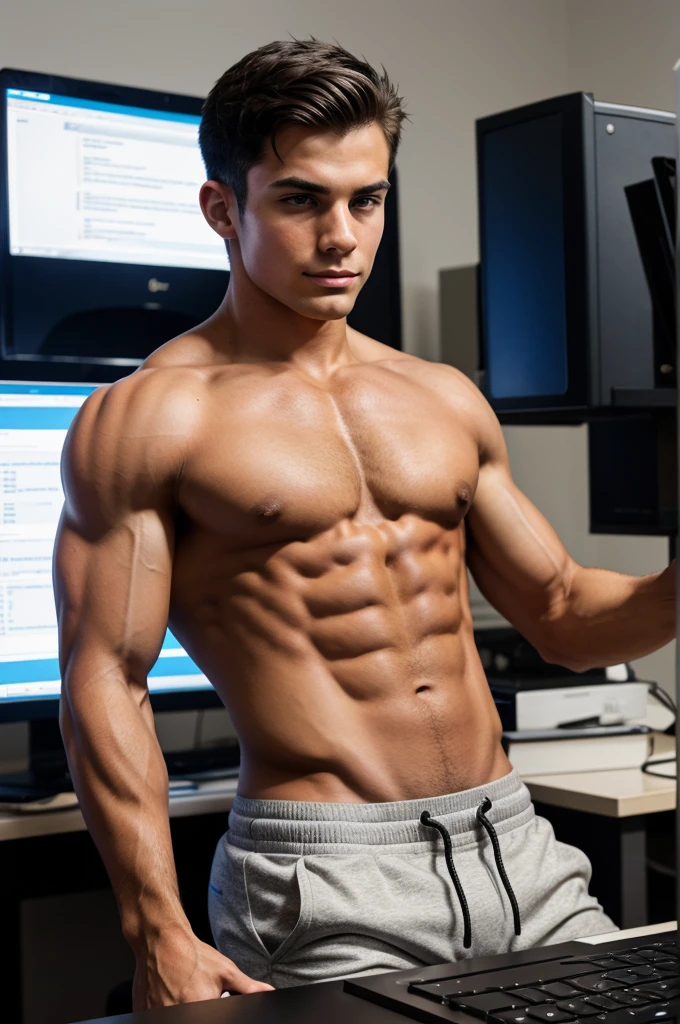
x=429 y=822
x=485 y=806
x=483 y=820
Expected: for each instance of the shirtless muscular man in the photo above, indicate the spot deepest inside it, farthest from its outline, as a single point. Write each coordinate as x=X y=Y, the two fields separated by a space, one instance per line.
x=301 y=504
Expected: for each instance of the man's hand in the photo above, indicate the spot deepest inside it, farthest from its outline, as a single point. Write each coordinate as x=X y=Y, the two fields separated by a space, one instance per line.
x=182 y=969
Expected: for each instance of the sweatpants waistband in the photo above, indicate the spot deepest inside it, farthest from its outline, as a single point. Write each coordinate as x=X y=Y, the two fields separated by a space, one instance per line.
x=292 y=826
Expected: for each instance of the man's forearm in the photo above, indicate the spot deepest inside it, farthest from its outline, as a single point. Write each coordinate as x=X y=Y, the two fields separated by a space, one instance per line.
x=120 y=777
x=607 y=618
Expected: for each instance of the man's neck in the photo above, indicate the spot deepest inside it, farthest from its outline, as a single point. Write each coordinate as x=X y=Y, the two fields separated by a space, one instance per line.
x=250 y=326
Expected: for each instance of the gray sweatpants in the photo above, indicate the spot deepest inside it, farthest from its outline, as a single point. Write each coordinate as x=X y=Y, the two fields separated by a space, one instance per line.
x=303 y=892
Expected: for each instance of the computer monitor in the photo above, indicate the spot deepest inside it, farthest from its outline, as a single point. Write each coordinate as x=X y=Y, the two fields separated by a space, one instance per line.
x=576 y=296
x=34 y=419
x=100 y=220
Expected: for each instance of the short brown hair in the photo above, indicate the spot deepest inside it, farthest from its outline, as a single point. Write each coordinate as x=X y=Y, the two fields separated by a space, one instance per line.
x=291 y=82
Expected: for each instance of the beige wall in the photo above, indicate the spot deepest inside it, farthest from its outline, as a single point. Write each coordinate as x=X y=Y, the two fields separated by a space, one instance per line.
x=623 y=51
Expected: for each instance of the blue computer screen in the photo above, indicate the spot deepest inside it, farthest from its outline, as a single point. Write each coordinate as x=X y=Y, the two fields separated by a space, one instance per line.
x=524 y=302
x=34 y=419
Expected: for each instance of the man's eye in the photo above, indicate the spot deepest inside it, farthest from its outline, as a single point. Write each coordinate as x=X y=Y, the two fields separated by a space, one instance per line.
x=368 y=201
x=300 y=200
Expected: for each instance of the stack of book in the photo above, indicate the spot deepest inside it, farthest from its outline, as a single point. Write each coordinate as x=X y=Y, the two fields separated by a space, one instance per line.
x=588 y=749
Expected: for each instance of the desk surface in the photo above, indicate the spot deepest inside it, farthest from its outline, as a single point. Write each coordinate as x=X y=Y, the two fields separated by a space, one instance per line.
x=210 y=798
x=616 y=794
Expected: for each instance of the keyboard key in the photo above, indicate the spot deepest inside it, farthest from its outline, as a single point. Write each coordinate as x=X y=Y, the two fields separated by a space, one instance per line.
x=440 y=991
x=489 y=1002
x=649 y=955
x=608 y=963
x=651 y=997
x=532 y=975
x=669 y=988
x=597 y=983
x=579 y=1008
x=509 y=1017
x=631 y=975
x=634 y=958
x=641 y=1014
x=534 y=995
x=560 y=990
x=667 y=966
x=630 y=998
x=549 y=1014
x=602 y=1002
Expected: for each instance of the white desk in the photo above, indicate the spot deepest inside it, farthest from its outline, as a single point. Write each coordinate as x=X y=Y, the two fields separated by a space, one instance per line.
x=618 y=794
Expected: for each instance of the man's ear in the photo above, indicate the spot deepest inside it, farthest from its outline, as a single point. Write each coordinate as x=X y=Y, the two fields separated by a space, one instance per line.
x=220 y=209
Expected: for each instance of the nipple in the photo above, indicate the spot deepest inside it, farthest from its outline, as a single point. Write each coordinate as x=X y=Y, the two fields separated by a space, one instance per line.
x=268 y=510
x=463 y=496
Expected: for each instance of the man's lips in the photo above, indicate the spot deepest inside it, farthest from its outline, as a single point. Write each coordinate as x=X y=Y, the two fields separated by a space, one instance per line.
x=334 y=278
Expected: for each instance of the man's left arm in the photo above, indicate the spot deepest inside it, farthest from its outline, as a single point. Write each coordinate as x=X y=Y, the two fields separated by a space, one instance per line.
x=577 y=617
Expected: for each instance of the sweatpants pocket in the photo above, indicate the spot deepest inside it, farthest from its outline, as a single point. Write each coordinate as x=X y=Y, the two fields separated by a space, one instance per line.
x=279 y=900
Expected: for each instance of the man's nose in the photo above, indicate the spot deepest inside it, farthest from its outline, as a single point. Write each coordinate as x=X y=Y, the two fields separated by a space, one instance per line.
x=337 y=233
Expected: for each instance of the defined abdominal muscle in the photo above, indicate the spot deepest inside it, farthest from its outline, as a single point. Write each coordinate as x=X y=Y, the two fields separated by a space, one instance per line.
x=346 y=662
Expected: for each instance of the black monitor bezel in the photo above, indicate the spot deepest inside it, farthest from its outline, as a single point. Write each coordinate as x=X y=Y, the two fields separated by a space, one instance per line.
x=102 y=92
x=578 y=172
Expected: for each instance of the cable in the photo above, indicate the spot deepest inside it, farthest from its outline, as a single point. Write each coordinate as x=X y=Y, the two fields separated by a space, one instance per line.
x=660 y=775
x=645 y=766
x=663 y=698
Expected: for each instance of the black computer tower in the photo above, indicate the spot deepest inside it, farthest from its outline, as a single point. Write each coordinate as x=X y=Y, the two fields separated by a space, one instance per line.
x=575 y=208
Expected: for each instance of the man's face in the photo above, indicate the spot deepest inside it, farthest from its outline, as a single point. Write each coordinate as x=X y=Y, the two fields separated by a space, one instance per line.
x=313 y=213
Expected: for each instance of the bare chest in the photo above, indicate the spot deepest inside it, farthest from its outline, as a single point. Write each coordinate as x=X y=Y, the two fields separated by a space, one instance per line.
x=288 y=459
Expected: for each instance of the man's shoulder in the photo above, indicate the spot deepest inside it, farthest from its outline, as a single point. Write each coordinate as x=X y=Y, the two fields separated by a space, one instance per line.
x=137 y=427
x=154 y=399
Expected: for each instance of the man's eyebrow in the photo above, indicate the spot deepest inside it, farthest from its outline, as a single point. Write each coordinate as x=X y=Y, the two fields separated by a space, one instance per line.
x=313 y=186
x=377 y=186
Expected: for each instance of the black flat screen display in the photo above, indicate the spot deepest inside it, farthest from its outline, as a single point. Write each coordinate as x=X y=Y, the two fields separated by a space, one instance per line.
x=523 y=245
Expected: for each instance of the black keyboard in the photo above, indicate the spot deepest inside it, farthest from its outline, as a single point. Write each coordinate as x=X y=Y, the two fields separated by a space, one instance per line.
x=619 y=986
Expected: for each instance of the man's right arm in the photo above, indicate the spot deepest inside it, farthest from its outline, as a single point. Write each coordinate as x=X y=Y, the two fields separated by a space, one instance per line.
x=112 y=575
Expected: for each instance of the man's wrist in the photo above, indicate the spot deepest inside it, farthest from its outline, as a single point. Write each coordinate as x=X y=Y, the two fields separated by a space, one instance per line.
x=146 y=929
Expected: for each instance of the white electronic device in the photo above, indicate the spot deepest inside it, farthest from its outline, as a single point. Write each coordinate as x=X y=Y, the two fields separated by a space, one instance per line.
x=607 y=703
